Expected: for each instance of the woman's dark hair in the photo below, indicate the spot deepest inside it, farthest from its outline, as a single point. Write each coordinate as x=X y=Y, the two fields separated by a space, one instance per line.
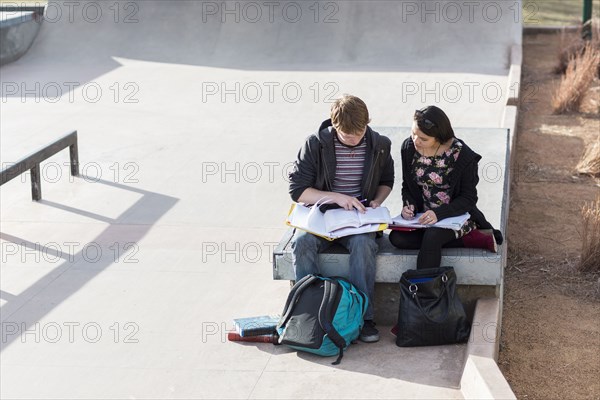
x=433 y=122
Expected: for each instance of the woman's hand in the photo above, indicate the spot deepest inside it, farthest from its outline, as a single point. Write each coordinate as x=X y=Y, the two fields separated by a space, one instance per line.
x=408 y=212
x=428 y=218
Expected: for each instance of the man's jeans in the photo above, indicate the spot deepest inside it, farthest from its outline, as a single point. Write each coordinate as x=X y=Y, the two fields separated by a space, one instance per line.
x=363 y=251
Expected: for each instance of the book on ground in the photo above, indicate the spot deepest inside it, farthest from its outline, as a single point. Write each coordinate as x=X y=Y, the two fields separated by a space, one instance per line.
x=454 y=223
x=337 y=223
x=255 y=326
x=236 y=337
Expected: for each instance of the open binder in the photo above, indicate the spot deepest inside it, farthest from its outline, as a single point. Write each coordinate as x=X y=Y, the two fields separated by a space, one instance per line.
x=454 y=223
x=337 y=223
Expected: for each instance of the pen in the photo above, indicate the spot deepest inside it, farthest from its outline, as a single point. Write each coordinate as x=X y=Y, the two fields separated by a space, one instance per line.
x=408 y=206
x=364 y=204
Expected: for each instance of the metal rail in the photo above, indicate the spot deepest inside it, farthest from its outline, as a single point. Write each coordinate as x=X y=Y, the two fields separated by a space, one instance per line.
x=16 y=8
x=32 y=163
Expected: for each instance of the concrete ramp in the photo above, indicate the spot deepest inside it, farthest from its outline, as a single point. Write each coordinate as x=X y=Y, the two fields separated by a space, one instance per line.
x=455 y=54
x=189 y=114
x=295 y=35
x=17 y=32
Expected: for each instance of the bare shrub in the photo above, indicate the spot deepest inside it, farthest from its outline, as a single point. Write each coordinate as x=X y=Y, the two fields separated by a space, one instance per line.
x=577 y=79
x=571 y=45
x=590 y=162
x=590 y=249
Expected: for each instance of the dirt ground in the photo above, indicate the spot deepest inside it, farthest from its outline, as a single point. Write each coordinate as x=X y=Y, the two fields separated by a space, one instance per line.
x=550 y=346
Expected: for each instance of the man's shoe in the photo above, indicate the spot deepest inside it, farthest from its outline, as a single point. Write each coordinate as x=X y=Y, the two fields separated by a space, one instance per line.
x=369 y=334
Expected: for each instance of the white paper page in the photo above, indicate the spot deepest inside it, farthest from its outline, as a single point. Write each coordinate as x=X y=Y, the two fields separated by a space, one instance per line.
x=379 y=215
x=398 y=220
x=454 y=223
x=339 y=218
x=308 y=219
x=355 y=231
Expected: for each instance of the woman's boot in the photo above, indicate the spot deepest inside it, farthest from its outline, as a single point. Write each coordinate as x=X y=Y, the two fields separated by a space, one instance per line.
x=480 y=239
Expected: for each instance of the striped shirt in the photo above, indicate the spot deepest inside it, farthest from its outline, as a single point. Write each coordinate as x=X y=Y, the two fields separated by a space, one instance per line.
x=350 y=163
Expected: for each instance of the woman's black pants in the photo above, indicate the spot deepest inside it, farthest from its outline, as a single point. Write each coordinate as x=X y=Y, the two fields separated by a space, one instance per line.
x=428 y=241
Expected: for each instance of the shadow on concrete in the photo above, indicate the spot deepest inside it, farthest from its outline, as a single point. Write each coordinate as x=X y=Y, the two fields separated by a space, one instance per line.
x=151 y=205
x=439 y=366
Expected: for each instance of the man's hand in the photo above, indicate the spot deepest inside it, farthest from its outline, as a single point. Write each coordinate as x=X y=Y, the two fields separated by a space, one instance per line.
x=374 y=204
x=348 y=202
x=383 y=192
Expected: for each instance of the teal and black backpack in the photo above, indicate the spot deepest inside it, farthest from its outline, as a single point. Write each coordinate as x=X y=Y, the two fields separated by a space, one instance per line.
x=322 y=316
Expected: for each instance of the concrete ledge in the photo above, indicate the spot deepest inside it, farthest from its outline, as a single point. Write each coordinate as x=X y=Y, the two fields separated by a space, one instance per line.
x=485 y=330
x=18 y=30
x=513 y=85
x=479 y=273
x=482 y=379
x=516 y=55
x=536 y=30
x=387 y=300
x=509 y=121
x=473 y=266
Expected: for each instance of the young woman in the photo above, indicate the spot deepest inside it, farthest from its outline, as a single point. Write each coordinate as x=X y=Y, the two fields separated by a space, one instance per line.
x=439 y=179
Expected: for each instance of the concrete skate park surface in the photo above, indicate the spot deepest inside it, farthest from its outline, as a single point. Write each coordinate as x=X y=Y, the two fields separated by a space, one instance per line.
x=189 y=113
x=18 y=29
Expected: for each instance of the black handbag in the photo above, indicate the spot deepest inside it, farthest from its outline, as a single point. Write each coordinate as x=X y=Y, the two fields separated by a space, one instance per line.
x=430 y=311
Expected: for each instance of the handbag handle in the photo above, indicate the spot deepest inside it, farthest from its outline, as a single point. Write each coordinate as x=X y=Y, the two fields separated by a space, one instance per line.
x=416 y=298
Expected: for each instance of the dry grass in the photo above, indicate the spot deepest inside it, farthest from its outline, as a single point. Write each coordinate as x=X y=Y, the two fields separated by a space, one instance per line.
x=590 y=162
x=590 y=249
x=572 y=45
x=562 y=274
x=580 y=73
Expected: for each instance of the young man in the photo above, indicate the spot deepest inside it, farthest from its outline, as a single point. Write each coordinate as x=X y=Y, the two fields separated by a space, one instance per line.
x=351 y=165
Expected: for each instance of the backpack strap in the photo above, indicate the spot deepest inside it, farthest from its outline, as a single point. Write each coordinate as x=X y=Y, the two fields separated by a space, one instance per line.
x=365 y=299
x=296 y=291
x=356 y=290
x=326 y=320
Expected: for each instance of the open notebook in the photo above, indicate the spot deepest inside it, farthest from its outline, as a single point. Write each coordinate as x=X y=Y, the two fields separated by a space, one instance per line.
x=337 y=223
x=454 y=223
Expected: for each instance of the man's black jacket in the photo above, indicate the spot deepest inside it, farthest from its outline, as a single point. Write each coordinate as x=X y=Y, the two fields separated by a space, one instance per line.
x=316 y=163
